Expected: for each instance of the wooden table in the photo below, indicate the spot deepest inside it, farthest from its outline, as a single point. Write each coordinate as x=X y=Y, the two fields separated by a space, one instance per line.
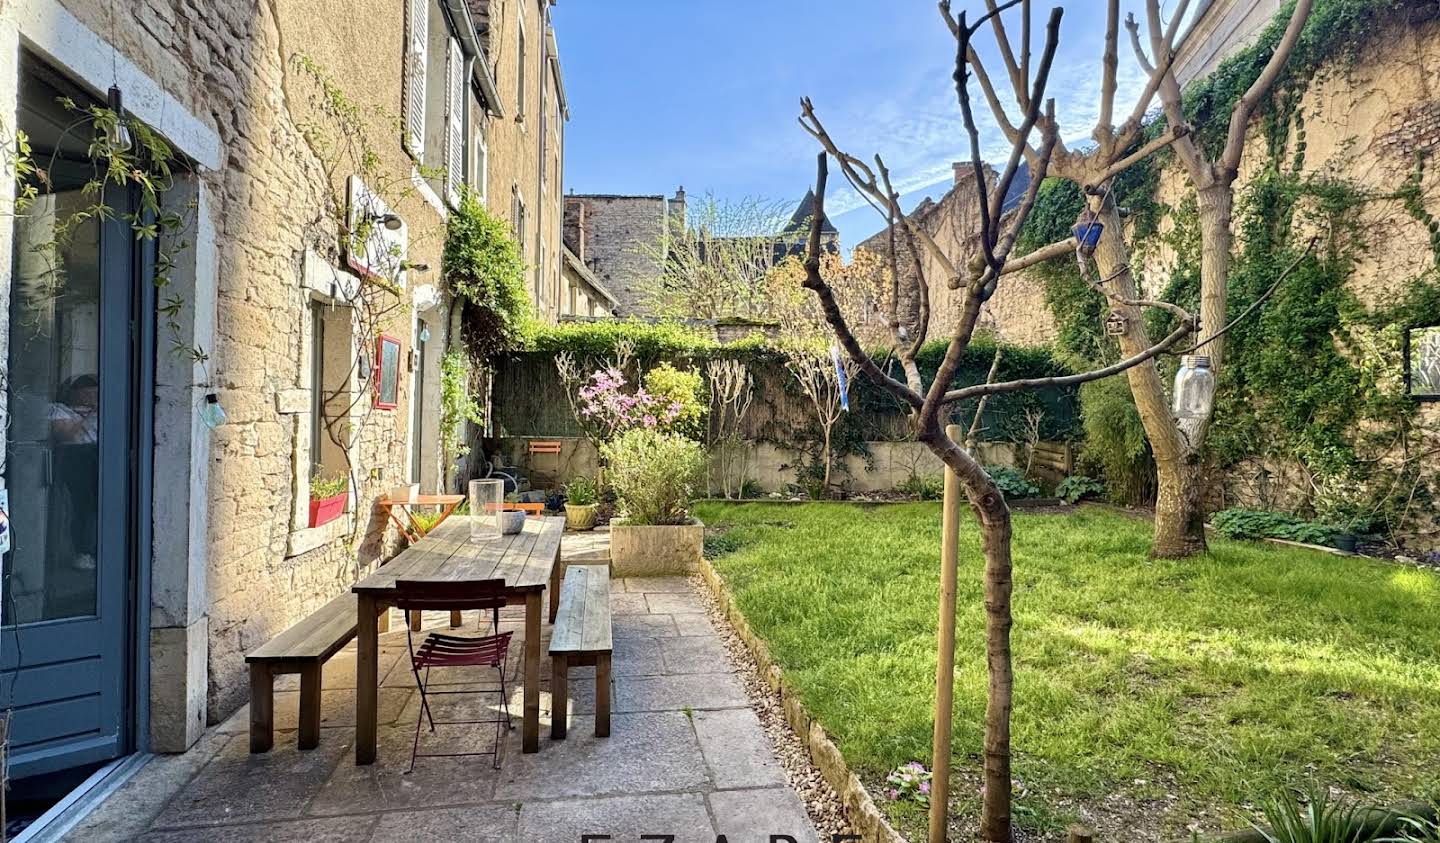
x=528 y=562
x=410 y=528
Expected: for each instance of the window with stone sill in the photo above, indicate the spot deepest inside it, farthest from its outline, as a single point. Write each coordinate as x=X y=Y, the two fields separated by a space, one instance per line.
x=333 y=374
x=435 y=97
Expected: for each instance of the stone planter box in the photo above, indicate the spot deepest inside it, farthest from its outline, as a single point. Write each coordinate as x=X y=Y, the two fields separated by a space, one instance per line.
x=655 y=551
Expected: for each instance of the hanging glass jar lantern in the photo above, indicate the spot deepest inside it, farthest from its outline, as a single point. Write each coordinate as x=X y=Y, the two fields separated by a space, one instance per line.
x=1115 y=324
x=1087 y=231
x=1194 y=387
x=117 y=135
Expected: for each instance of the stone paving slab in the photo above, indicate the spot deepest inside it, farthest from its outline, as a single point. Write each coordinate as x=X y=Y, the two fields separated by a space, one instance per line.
x=623 y=818
x=761 y=814
x=736 y=749
x=686 y=755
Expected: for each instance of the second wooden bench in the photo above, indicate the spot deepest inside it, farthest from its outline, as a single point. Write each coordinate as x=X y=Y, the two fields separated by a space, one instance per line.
x=581 y=637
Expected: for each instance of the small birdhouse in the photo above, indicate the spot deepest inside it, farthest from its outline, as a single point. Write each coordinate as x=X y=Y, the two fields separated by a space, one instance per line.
x=1087 y=231
x=1115 y=324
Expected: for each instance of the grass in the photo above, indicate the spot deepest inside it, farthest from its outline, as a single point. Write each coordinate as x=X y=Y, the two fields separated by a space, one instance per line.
x=1155 y=693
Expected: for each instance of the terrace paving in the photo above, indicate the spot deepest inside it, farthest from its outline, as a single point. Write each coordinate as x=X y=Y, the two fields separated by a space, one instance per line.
x=686 y=756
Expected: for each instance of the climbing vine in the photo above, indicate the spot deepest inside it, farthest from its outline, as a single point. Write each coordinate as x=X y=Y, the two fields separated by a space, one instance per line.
x=1312 y=381
x=484 y=269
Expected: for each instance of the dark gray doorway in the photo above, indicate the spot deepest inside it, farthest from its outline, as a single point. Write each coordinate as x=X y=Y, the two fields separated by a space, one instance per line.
x=73 y=453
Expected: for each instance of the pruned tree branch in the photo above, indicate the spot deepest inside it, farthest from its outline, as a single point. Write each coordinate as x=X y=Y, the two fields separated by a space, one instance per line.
x=1229 y=163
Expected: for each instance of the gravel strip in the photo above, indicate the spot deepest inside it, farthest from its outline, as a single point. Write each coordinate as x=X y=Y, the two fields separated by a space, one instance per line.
x=821 y=802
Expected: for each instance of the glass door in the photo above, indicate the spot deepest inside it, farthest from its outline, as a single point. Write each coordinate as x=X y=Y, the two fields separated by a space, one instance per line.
x=69 y=449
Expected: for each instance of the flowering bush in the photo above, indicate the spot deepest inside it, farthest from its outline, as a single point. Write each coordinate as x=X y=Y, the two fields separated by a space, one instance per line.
x=604 y=406
x=654 y=475
x=909 y=782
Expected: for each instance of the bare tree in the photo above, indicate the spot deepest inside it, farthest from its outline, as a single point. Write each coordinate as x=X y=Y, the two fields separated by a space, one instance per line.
x=826 y=382
x=1178 y=447
x=732 y=389
x=979 y=280
x=714 y=260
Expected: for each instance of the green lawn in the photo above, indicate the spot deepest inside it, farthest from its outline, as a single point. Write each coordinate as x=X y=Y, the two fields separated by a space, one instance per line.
x=1148 y=693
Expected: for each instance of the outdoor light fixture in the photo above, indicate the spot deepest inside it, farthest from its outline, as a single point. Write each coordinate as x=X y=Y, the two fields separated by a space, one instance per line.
x=211 y=412
x=1194 y=387
x=1087 y=231
x=117 y=136
x=392 y=222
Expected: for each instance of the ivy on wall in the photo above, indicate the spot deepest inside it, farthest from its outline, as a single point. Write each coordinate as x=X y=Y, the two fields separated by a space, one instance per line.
x=483 y=267
x=1313 y=378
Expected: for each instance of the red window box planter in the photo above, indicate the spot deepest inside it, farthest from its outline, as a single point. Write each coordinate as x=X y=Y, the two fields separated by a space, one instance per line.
x=325 y=510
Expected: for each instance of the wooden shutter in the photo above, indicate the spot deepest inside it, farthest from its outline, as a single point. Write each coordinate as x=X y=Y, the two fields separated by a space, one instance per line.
x=417 y=20
x=454 y=122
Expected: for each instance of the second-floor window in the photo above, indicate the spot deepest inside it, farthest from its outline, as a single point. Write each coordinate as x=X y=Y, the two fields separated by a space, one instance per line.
x=434 y=100
x=520 y=73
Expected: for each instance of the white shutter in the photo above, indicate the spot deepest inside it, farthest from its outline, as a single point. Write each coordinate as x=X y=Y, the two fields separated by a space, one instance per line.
x=417 y=20
x=454 y=122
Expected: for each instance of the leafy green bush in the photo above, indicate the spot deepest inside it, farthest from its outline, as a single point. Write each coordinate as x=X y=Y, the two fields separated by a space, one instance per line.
x=484 y=268
x=654 y=475
x=1078 y=486
x=324 y=486
x=925 y=487
x=582 y=491
x=598 y=339
x=719 y=544
x=1255 y=524
x=683 y=389
x=457 y=405
x=1012 y=482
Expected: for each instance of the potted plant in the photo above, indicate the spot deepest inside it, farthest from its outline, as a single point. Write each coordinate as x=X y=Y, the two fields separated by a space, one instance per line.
x=511 y=518
x=328 y=496
x=582 y=498
x=654 y=477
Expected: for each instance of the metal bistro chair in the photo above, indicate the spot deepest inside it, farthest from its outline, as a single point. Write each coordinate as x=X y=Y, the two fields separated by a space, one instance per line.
x=440 y=650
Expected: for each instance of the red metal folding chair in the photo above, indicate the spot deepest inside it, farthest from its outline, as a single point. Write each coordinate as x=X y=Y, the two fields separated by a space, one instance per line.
x=440 y=650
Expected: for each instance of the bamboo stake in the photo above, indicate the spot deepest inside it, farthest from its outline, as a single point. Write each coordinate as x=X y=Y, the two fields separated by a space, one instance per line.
x=945 y=656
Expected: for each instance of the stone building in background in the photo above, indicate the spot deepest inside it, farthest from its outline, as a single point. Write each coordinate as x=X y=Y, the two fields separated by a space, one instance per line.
x=614 y=236
x=139 y=599
x=1017 y=314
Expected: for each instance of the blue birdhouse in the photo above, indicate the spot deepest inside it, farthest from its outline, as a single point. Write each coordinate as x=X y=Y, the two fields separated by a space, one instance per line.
x=1087 y=231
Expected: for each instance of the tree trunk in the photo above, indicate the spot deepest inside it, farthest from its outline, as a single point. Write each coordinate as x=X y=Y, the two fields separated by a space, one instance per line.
x=1215 y=205
x=994 y=519
x=827 y=461
x=1179 y=520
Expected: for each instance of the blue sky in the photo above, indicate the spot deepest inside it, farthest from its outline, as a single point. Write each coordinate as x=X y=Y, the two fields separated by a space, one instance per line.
x=704 y=93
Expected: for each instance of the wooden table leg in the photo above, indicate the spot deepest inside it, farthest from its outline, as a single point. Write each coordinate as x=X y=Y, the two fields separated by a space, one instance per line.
x=530 y=730
x=557 y=572
x=455 y=620
x=262 y=708
x=367 y=679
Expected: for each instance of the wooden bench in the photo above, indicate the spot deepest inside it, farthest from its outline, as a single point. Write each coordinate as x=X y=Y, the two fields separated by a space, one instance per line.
x=581 y=637
x=303 y=648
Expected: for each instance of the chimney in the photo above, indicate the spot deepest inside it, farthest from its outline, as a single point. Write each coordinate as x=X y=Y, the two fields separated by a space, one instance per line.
x=964 y=171
x=676 y=206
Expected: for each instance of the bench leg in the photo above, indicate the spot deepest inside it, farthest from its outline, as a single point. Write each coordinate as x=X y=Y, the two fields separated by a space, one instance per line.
x=382 y=620
x=455 y=620
x=602 y=695
x=310 y=706
x=559 y=696
x=416 y=617
x=262 y=708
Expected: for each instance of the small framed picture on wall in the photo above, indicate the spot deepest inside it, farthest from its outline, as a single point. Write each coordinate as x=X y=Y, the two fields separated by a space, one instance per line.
x=1422 y=362
x=387 y=372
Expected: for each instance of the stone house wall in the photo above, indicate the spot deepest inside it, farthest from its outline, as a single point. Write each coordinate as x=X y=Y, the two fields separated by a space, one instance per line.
x=252 y=566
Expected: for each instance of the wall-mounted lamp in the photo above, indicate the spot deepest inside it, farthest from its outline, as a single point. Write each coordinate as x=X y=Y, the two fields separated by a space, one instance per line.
x=392 y=222
x=415 y=267
x=117 y=135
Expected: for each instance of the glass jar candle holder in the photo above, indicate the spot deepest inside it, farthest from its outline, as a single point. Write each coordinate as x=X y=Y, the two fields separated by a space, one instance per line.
x=487 y=501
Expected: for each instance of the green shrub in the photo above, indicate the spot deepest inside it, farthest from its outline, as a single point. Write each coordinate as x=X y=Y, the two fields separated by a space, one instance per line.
x=1314 y=817
x=1012 y=482
x=582 y=491
x=719 y=544
x=1255 y=524
x=323 y=486
x=683 y=389
x=925 y=487
x=654 y=475
x=1078 y=486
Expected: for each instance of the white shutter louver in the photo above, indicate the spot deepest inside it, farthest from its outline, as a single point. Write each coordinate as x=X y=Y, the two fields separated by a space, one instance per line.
x=454 y=124
x=417 y=21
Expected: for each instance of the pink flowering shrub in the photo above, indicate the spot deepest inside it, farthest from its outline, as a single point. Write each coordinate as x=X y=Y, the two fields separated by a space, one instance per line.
x=605 y=407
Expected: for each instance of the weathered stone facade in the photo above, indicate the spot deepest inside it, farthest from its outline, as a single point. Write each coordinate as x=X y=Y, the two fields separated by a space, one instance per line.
x=267 y=266
x=1016 y=314
x=617 y=238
